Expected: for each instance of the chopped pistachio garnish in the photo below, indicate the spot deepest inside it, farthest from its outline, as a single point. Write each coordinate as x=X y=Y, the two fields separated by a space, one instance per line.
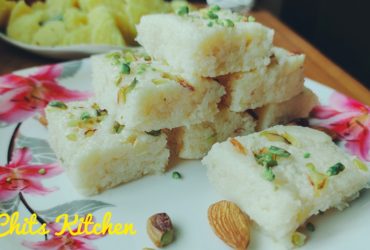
x=147 y=58
x=273 y=136
x=316 y=179
x=266 y=158
x=114 y=57
x=310 y=227
x=159 y=81
x=251 y=19
x=73 y=123
x=360 y=165
x=268 y=174
x=85 y=116
x=291 y=139
x=229 y=23
x=215 y=8
x=124 y=91
x=298 y=239
x=176 y=175
x=212 y=15
x=101 y=112
x=129 y=57
x=95 y=106
x=306 y=155
x=183 y=10
x=118 y=79
x=154 y=132
x=142 y=68
x=125 y=68
x=279 y=151
x=72 y=137
x=89 y=132
x=58 y=104
x=42 y=171
x=117 y=127
x=335 y=169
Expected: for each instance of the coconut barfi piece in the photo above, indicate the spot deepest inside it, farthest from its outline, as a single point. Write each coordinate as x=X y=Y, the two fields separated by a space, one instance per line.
x=299 y=106
x=148 y=95
x=194 y=142
x=209 y=42
x=281 y=80
x=99 y=153
x=282 y=176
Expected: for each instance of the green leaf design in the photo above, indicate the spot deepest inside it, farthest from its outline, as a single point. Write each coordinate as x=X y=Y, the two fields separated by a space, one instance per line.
x=80 y=207
x=9 y=206
x=41 y=151
x=70 y=69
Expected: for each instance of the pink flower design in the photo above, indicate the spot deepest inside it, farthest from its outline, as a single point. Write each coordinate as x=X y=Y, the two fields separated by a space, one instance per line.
x=65 y=241
x=21 y=97
x=21 y=176
x=350 y=119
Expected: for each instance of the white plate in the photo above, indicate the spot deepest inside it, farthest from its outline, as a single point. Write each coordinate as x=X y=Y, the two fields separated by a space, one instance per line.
x=186 y=200
x=61 y=52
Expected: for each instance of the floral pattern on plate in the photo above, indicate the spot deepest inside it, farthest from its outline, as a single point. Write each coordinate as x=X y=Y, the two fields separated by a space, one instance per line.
x=349 y=119
x=24 y=96
x=32 y=160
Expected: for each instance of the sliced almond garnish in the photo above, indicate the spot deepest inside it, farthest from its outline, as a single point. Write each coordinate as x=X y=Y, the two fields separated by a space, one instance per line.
x=238 y=146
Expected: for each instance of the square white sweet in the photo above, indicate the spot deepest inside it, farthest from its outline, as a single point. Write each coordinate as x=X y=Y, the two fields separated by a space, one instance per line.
x=194 y=142
x=281 y=80
x=282 y=176
x=97 y=152
x=299 y=106
x=209 y=42
x=148 y=95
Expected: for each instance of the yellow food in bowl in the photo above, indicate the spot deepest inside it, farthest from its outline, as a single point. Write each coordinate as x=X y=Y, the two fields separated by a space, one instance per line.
x=68 y=22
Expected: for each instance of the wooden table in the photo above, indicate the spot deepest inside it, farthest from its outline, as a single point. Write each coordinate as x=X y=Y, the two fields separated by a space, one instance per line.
x=317 y=67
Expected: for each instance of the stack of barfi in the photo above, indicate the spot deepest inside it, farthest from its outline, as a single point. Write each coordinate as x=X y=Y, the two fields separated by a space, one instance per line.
x=264 y=84
x=200 y=78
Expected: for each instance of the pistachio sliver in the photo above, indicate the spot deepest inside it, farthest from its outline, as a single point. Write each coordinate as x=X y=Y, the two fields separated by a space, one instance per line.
x=117 y=127
x=335 y=169
x=125 y=68
x=154 y=132
x=58 y=104
x=268 y=174
x=85 y=116
x=124 y=91
x=360 y=165
x=72 y=137
x=273 y=136
x=298 y=239
x=279 y=151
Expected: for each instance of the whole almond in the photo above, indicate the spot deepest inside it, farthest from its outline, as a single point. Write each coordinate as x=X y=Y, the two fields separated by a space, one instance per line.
x=230 y=224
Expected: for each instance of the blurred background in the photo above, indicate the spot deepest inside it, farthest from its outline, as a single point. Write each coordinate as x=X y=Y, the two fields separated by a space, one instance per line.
x=338 y=28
